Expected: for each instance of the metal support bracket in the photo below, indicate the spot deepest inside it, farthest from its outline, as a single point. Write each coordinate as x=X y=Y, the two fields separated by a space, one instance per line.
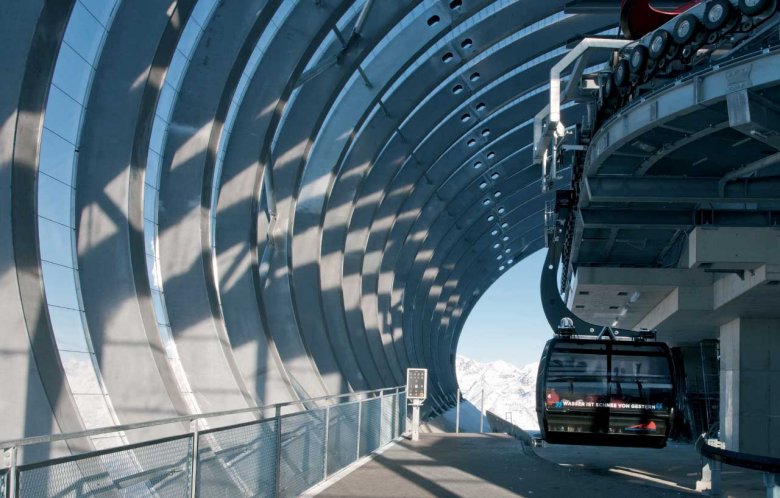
x=548 y=128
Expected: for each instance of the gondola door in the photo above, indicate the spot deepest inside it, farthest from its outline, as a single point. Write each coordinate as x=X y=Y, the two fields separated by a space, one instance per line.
x=641 y=393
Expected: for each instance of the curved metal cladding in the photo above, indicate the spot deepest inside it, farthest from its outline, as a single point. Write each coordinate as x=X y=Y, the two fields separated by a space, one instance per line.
x=270 y=199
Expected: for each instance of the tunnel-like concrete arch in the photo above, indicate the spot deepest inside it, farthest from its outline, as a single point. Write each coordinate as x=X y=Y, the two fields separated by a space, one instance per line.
x=215 y=204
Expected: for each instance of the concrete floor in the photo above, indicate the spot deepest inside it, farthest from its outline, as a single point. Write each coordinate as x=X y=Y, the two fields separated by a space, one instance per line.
x=490 y=465
x=677 y=466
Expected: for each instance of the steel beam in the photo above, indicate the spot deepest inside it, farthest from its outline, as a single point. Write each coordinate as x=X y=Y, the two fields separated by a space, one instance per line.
x=645 y=189
x=674 y=219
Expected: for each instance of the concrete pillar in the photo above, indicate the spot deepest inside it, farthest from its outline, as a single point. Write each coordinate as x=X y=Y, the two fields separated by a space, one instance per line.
x=750 y=385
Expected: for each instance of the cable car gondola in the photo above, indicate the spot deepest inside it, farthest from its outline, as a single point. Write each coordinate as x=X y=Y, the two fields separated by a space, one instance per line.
x=605 y=392
x=599 y=385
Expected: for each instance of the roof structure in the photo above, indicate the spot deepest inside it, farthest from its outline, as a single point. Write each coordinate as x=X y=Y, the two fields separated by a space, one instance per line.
x=221 y=204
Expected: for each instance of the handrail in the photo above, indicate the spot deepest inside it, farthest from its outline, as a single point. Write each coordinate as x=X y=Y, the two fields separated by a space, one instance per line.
x=50 y=438
x=737 y=459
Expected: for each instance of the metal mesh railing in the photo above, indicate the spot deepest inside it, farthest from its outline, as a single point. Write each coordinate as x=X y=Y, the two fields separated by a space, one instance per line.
x=401 y=413
x=387 y=424
x=303 y=456
x=280 y=456
x=238 y=462
x=370 y=425
x=158 y=469
x=342 y=436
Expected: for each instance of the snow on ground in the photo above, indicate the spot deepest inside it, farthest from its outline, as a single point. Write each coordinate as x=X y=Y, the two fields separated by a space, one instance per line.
x=469 y=420
x=509 y=391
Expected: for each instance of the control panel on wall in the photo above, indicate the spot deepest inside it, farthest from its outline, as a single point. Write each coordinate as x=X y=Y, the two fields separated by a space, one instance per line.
x=416 y=383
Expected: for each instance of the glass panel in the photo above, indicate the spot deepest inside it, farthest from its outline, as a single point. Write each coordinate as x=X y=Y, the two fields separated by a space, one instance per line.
x=202 y=11
x=55 y=242
x=176 y=69
x=165 y=103
x=158 y=135
x=72 y=73
x=149 y=237
x=54 y=200
x=165 y=334
x=84 y=32
x=576 y=377
x=57 y=157
x=153 y=168
x=150 y=273
x=159 y=307
x=186 y=43
x=93 y=410
x=63 y=115
x=150 y=203
x=68 y=329
x=60 y=285
x=80 y=373
x=641 y=380
x=101 y=9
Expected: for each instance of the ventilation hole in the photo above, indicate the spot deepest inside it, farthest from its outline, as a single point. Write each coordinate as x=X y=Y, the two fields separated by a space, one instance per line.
x=433 y=20
x=477 y=165
x=456 y=4
x=481 y=106
x=486 y=132
x=579 y=306
x=491 y=155
x=497 y=194
x=621 y=293
x=483 y=185
x=466 y=118
x=447 y=57
x=474 y=77
x=613 y=307
x=457 y=89
x=471 y=142
x=467 y=43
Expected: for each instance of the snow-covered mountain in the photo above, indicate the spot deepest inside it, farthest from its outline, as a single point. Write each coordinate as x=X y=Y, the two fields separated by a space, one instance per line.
x=510 y=391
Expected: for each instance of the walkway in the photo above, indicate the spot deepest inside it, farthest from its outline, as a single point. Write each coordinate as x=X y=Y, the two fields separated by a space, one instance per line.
x=482 y=465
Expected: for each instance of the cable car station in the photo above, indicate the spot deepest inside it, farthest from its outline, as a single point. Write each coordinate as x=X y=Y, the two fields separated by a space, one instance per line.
x=239 y=241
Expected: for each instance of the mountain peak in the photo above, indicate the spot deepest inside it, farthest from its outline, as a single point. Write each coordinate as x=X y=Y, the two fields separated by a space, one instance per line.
x=509 y=390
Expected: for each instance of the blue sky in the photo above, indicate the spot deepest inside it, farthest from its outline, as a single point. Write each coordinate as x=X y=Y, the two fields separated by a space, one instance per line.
x=508 y=322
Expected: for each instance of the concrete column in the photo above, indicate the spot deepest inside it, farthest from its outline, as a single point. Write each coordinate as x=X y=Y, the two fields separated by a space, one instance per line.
x=750 y=385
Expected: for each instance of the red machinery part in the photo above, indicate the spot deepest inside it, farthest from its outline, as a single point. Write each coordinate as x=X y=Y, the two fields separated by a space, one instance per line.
x=638 y=17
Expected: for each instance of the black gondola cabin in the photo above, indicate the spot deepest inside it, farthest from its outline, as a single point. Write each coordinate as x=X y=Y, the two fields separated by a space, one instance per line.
x=605 y=392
